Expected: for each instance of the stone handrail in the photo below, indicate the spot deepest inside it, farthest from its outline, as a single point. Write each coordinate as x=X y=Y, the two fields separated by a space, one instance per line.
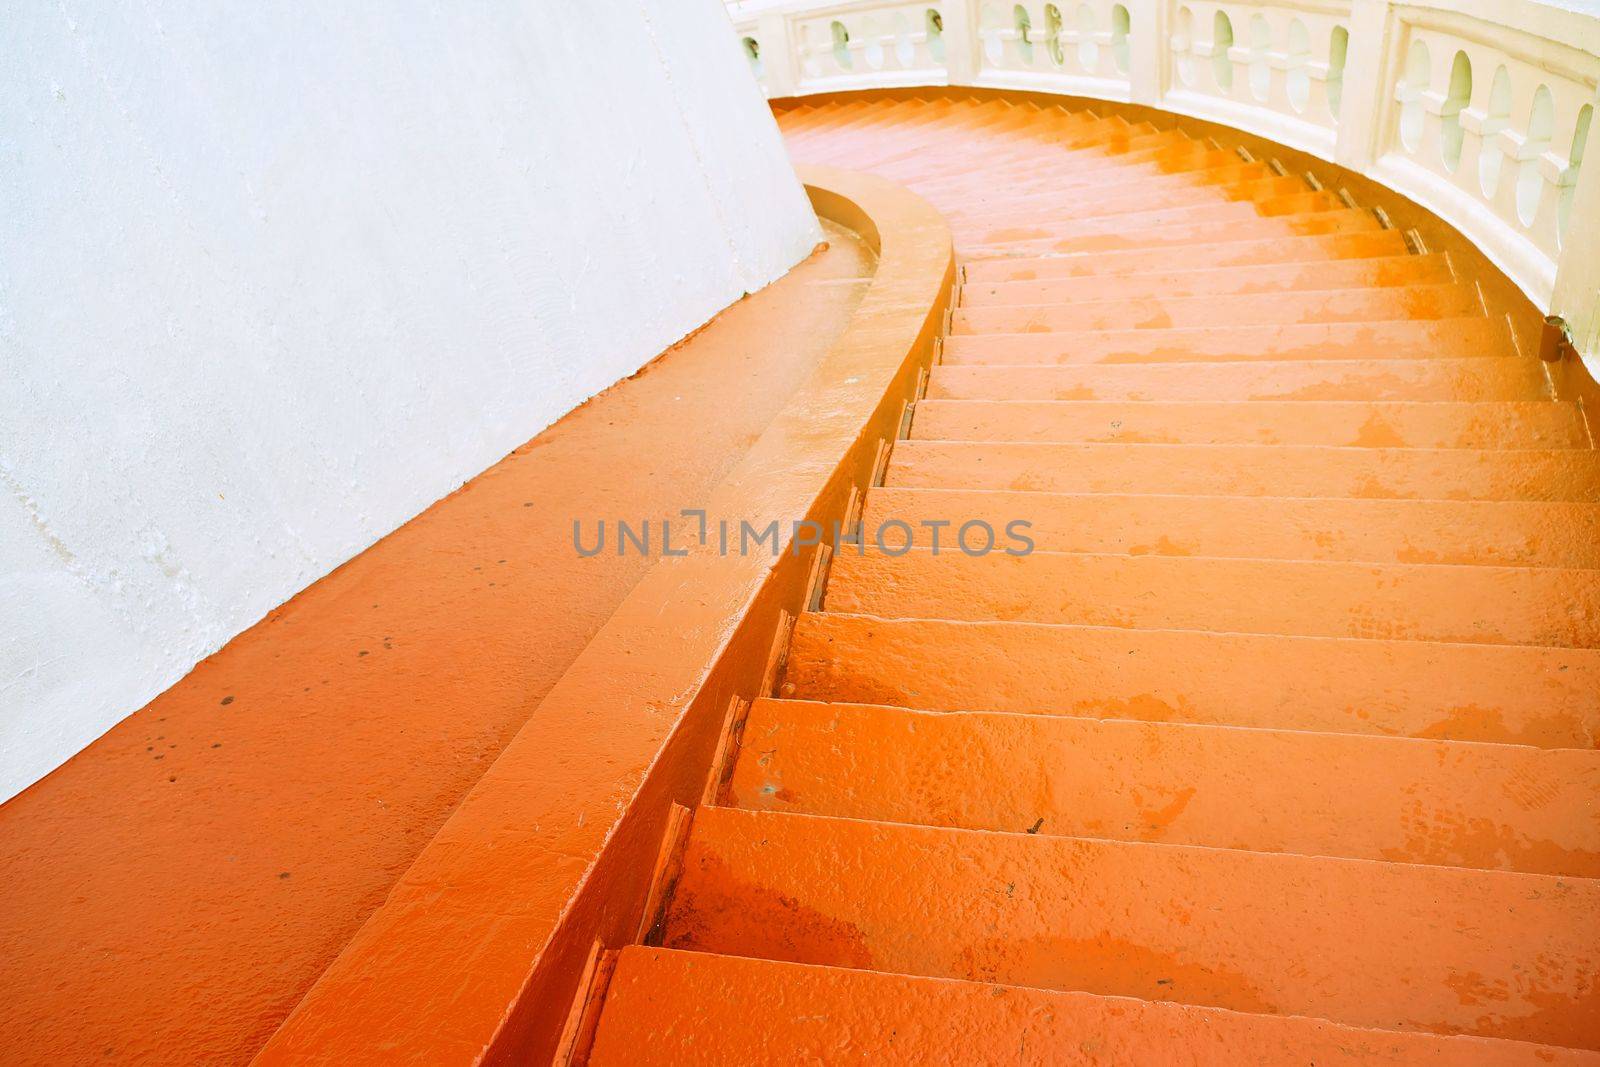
x=1478 y=110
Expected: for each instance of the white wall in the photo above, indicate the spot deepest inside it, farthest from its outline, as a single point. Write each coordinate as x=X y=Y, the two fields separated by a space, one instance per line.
x=274 y=277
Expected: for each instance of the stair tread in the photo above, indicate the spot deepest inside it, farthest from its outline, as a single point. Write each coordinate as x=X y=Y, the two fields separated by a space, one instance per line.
x=1247 y=931
x=679 y=1008
x=1453 y=803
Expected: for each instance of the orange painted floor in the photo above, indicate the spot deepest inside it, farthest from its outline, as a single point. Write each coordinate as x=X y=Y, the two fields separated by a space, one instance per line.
x=1282 y=745
x=172 y=891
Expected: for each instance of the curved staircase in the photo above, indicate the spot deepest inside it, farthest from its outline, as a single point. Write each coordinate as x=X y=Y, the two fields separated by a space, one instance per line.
x=1281 y=745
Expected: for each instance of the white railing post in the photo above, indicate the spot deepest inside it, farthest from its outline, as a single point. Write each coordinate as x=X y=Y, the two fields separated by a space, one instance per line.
x=961 y=40
x=1366 y=92
x=777 y=54
x=1149 y=51
x=1577 y=290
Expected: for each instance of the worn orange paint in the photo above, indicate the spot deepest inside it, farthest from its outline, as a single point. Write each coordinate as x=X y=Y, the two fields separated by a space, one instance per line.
x=689 y=1009
x=174 y=889
x=1491 y=806
x=476 y=953
x=1248 y=931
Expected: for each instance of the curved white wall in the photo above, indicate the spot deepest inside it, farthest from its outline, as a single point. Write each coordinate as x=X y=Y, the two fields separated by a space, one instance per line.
x=273 y=278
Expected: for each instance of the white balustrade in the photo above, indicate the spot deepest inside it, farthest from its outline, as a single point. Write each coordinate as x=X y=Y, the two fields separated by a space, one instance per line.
x=1480 y=110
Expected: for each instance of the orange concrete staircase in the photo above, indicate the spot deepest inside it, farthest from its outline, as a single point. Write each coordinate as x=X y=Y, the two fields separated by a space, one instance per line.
x=1280 y=747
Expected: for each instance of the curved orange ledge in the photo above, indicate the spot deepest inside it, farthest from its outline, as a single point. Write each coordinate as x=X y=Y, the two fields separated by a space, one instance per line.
x=477 y=952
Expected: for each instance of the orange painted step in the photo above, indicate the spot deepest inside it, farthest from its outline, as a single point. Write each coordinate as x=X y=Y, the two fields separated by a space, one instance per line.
x=1390 y=945
x=1093 y=157
x=1253 y=470
x=1491 y=807
x=1512 y=694
x=1109 y=212
x=1132 y=155
x=1353 y=530
x=1376 y=379
x=693 y=1009
x=1452 y=338
x=1230 y=185
x=1414 y=602
x=1247 y=252
x=1113 y=189
x=1532 y=424
x=1247 y=309
x=905 y=158
x=1347 y=220
x=1385 y=272
x=1093 y=218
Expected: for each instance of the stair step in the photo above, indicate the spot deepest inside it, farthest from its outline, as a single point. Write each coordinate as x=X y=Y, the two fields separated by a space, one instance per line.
x=1235 y=184
x=1511 y=694
x=1348 y=220
x=1454 y=338
x=1094 y=216
x=1478 y=605
x=1214 y=179
x=1453 y=803
x=1529 y=424
x=1453 y=474
x=1257 y=251
x=1353 y=530
x=1397 y=946
x=1247 y=309
x=671 y=1008
x=1385 y=273
x=1376 y=379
